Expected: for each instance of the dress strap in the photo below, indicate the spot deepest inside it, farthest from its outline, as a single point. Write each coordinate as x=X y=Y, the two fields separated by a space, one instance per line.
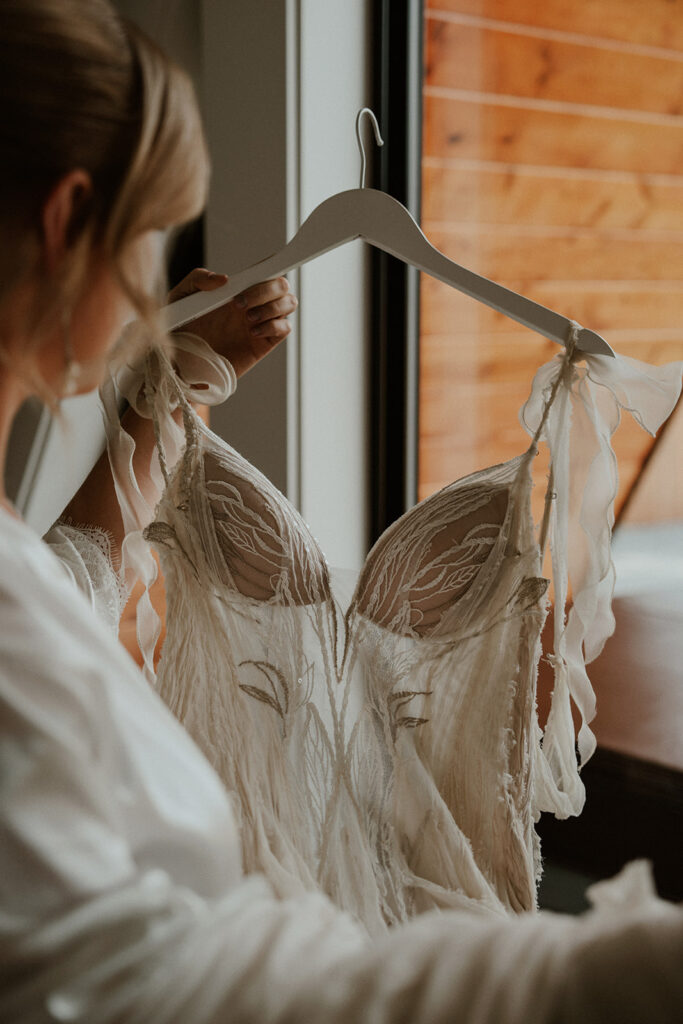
x=575 y=409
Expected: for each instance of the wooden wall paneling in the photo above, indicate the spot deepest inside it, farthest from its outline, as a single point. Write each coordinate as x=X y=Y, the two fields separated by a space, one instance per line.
x=475 y=411
x=658 y=492
x=462 y=462
x=471 y=190
x=499 y=437
x=467 y=414
x=637 y=308
x=496 y=357
x=634 y=306
x=552 y=254
x=654 y=23
x=461 y=55
x=486 y=127
x=552 y=162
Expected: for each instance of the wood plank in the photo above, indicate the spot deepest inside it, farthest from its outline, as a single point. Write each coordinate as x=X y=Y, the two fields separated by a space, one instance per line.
x=440 y=463
x=551 y=254
x=504 y=358
x=481 y=59
x=483 y=418
x=637 y=682
x=476 y=415
x=480 y=129
x=490 y=194
x=482 y=415
x=511 y=357
x=548 y=190
x=655 y=23
x=658 y=493
x=640 y=308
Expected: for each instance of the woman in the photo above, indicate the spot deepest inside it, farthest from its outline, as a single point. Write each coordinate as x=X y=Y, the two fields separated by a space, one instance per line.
x=121 y=892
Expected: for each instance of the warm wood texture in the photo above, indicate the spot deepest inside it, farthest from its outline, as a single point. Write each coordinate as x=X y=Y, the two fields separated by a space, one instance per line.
x=638 y=679
x=657 y=23
x=639 y=308
x=472 y=190
x=658 y=491
x=552 y=254
x=485 y=127
x=552 y=163
x=519 y=64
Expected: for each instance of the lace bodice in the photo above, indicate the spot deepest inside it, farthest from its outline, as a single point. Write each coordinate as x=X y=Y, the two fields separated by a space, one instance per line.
x=386 y=749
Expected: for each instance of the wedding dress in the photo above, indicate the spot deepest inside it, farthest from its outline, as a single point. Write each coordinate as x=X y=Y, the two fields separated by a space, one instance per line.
x=384 y=747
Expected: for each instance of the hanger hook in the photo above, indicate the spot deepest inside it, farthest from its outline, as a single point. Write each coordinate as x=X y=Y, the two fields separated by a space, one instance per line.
x=378 y=139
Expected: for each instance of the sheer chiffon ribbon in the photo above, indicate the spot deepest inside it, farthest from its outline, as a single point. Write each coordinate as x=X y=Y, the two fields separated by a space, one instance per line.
x=155 y=389
x=578 y=430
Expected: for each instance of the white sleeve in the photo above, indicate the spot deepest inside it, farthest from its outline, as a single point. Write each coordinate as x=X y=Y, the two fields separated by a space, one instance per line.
x=151 y=952
x=131 y=946
x=91 y=932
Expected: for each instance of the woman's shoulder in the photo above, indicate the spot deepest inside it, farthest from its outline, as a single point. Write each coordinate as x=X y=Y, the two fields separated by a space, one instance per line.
x=32 y=578
x=51 y=640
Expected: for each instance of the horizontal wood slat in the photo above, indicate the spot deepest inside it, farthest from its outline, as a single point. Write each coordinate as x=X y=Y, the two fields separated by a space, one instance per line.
x=461 y=463
x=658 y=495
x=508 y=195
x=515 y=356
x=477 y=128
x=555 y=254
x=502 y=358
x=641 y=22
x=478 y=417
x=481 y=59
x=553 y=164
x=636 y=307
x=444 y=462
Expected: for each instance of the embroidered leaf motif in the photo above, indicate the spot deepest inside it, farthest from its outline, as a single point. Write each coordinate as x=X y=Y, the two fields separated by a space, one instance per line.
x=400 y=700
x=266 y=668
x=265 y=698
x=407 y=694
x=411 y=723
x=401 y=704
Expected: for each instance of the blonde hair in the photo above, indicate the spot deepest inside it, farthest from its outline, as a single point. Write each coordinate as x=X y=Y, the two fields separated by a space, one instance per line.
x=81 y=87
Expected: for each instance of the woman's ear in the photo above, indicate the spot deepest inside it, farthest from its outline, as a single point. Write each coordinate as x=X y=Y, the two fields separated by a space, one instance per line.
x=63 y=215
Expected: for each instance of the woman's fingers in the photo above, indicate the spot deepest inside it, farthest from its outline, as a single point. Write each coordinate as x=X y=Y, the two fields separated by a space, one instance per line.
x=262 y=293
x=259 y=315
x=198 y=280
x=274 y=329
x=248 y=327
x=264 y=301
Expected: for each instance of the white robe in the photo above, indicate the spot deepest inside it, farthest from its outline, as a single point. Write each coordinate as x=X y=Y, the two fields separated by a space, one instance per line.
x=122 y=897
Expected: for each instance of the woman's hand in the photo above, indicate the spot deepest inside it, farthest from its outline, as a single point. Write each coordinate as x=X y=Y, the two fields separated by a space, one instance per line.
x=248 y=327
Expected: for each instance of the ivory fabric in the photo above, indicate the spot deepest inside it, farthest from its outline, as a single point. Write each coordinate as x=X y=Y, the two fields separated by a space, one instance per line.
x=385 y=750
x=86 y=554
x=121 y=895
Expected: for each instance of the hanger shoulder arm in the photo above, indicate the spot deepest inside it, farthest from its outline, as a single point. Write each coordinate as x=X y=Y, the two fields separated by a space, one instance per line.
x=334 y=222
x=390 y=227
x=385 y=223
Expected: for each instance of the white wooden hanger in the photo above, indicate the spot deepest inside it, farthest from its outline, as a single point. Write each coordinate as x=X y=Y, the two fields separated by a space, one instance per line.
x=382 y=221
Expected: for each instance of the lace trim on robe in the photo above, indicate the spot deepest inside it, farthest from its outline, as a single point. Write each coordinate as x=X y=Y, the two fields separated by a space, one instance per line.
x=86 y=554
